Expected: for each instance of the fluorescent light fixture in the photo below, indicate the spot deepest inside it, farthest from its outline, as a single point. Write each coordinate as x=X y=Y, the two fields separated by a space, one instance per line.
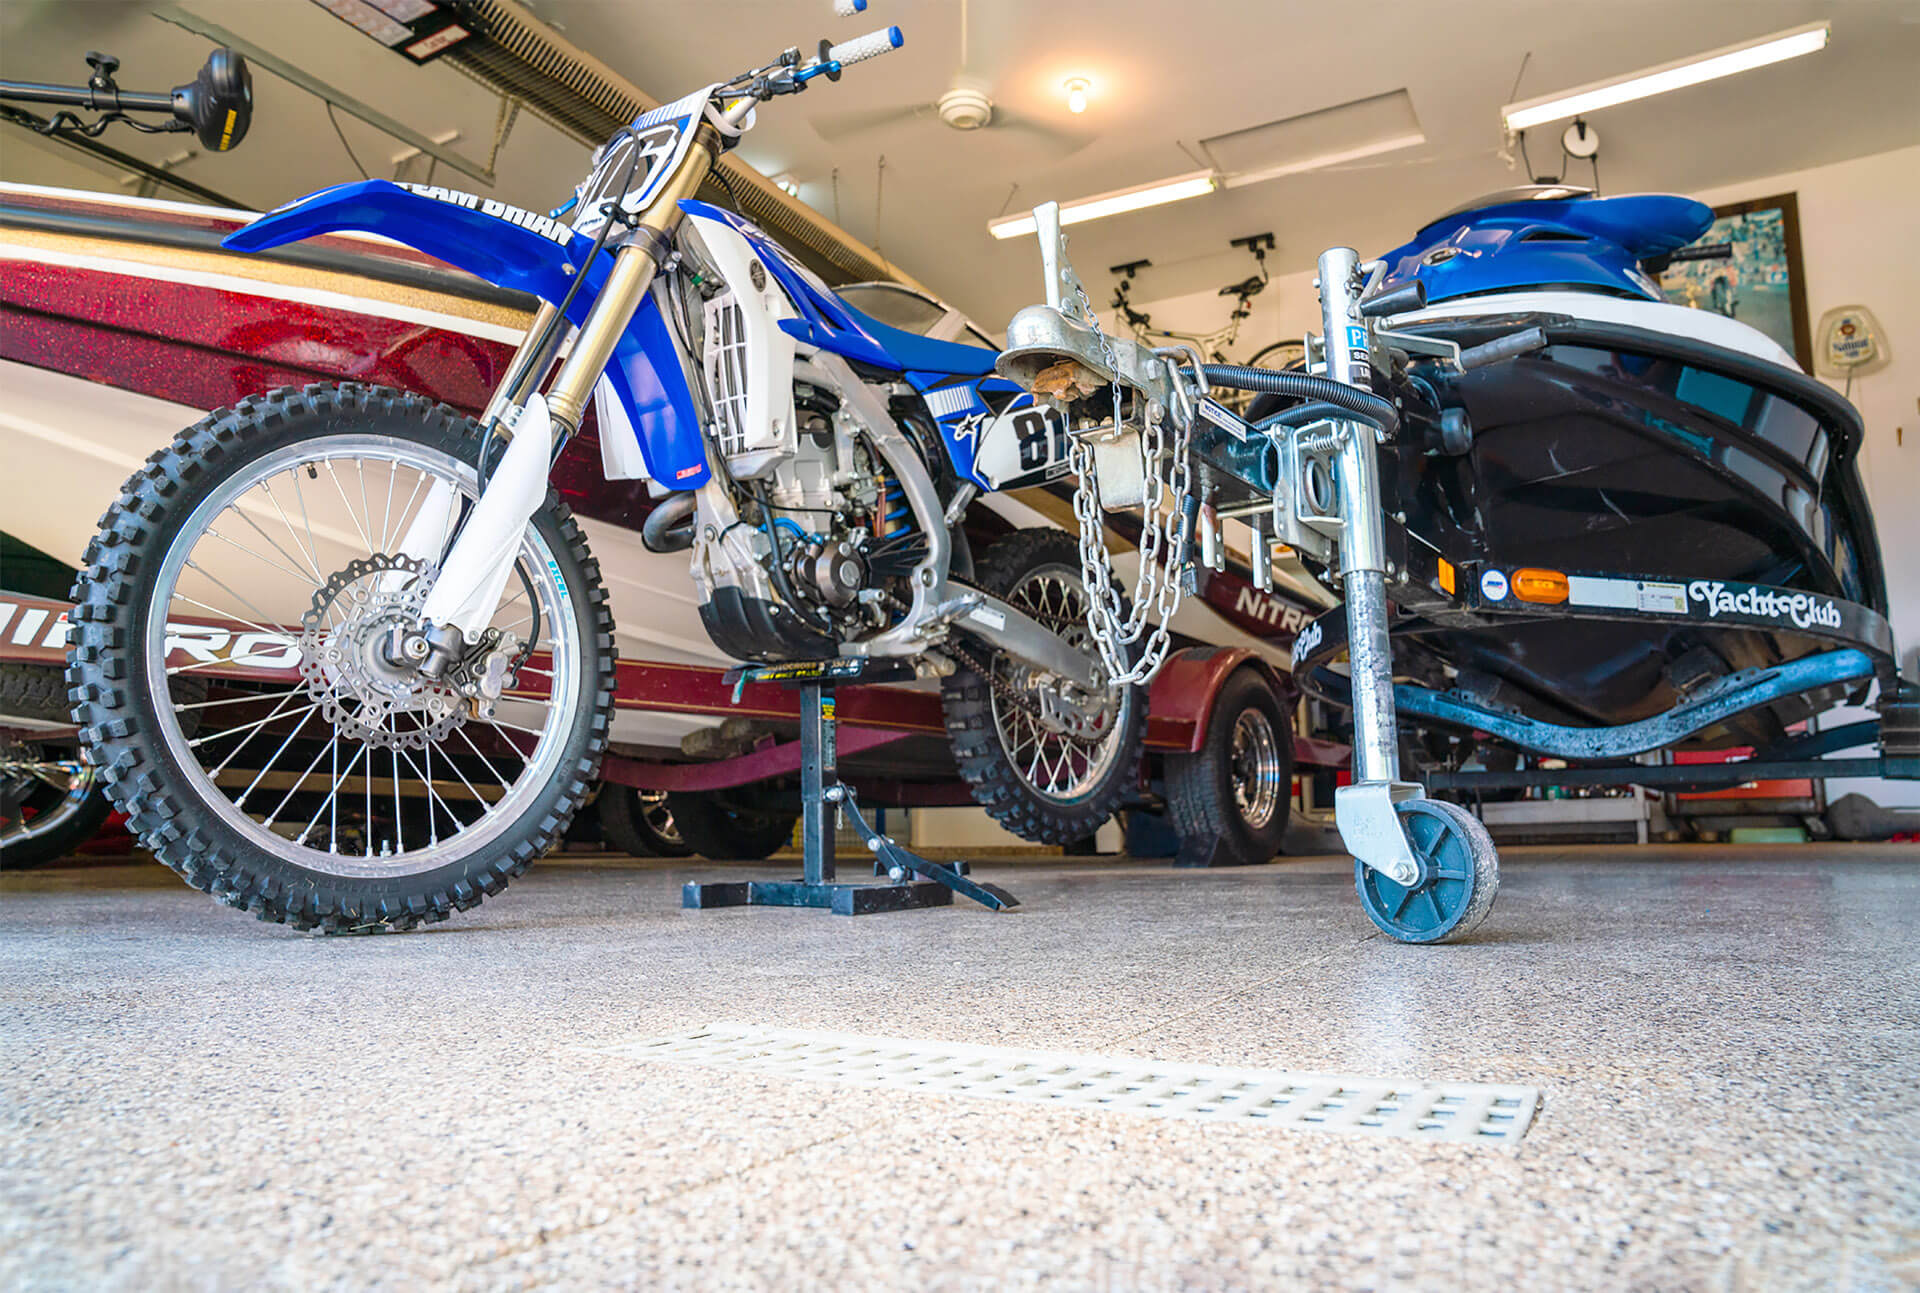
x=1106 y=204
x=1668 y=76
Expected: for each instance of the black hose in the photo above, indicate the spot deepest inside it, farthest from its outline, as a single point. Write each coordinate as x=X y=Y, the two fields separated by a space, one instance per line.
x=1364 y=405
x=667 y=528
x=1301 y=414
x=778 y=568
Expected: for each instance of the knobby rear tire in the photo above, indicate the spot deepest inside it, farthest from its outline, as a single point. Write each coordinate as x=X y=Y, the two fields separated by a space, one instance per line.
x=998 y=781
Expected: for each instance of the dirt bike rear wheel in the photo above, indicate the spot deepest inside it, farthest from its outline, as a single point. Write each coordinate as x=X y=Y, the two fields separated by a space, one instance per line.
x=1045 y=786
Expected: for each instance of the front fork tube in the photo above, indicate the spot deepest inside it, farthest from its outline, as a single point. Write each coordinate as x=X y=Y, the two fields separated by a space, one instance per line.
x=1364 y=811
x=475 y=572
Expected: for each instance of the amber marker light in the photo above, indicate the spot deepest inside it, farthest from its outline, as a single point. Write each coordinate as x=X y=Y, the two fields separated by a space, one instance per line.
x=1547 y=586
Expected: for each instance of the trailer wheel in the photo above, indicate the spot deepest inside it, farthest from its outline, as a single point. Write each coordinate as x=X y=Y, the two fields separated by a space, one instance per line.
x=1230 y=800
x=744 y=824
x=640 y=823
x=49 y=805
x=1459 y=876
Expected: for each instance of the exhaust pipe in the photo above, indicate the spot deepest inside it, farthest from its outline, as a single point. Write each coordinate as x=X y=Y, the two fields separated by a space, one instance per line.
x=669 y=526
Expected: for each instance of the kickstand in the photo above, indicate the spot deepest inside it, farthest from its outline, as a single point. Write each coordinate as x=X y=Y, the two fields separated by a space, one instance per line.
x=822 y=797
x=896 y=862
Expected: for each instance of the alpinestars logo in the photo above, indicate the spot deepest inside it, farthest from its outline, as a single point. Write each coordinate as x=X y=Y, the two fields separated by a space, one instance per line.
x=969 y=427
x=1802 y=610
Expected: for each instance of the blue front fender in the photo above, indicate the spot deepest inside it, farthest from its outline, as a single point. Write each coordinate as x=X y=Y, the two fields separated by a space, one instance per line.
x=522 y=251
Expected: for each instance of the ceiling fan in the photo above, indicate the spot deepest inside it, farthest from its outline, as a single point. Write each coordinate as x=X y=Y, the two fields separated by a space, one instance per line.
x=967 y=105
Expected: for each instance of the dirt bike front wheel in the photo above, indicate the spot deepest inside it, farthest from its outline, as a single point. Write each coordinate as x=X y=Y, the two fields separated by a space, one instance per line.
x=338 y=790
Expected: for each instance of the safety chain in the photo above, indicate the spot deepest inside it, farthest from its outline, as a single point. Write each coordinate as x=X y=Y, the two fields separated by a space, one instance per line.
x=1158 y=588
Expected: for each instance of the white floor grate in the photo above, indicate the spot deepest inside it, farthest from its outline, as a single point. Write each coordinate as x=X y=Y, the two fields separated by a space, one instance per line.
x=1456 y=1112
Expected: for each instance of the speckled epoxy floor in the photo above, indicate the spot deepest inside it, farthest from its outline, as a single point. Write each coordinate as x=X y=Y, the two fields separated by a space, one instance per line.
x=1728 y=1042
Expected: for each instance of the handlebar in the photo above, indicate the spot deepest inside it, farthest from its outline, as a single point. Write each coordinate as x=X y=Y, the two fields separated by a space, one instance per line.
x=848 y=8
x=862 y=48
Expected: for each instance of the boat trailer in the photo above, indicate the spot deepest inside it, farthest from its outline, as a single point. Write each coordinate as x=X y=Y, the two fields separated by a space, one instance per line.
x=1308 y=478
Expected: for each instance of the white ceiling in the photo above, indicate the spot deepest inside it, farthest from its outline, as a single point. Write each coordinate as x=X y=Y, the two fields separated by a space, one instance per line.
x=1165 y=77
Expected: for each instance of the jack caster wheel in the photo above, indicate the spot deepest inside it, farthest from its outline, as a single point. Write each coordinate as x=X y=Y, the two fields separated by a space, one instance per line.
x=1459 y=876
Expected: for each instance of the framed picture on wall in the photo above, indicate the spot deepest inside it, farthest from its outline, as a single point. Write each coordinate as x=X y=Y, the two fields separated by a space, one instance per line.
x=1747 y=267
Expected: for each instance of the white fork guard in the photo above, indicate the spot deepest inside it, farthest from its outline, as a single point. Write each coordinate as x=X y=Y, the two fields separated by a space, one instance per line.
x=470 y=584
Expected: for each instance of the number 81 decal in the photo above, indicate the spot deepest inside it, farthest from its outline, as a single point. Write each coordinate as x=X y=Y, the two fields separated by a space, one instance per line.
x=1023 y=447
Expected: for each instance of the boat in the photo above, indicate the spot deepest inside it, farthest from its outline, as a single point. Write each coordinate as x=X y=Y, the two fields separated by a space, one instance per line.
x=123 y=320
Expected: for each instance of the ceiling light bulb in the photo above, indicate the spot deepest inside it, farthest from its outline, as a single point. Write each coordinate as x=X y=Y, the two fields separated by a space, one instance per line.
x=1077 y=94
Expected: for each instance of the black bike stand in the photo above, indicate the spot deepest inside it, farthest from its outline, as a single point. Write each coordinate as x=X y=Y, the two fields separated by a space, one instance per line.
x=821 y=794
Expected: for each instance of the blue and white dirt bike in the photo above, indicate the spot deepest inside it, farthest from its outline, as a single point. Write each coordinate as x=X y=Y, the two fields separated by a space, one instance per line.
x=449 y=626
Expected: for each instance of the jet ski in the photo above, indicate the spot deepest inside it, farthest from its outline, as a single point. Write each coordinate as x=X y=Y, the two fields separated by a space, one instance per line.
x=1638 y=502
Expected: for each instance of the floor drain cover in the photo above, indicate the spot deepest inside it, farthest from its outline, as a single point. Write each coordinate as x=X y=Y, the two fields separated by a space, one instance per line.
x=1456 y=1112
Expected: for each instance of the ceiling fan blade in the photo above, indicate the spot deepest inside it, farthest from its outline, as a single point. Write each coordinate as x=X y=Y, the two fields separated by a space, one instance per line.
x=1063 y=141
x=835 y=126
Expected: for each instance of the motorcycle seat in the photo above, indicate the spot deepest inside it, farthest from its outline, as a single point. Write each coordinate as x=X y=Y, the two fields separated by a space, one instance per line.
x=915 y=353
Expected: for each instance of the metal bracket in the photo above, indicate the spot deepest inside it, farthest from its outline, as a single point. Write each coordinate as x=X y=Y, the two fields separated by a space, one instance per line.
x=1370 y=827
x=1416 y=344
x=1302 y=521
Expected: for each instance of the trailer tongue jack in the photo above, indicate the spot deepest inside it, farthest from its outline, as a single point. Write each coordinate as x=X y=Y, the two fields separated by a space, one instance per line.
x=822 y=797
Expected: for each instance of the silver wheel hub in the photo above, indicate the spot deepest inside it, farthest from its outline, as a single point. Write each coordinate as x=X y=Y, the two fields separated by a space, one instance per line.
x=1256 y=768
x=345 y=660
x=1060 y=739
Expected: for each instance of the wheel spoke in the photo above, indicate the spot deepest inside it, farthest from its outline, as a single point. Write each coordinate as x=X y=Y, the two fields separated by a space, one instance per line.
x=282 y=634
x=313 y=557
x=301 y=575
x=386 y=510
x=305 y=518
x=272 y=542
x=274 y=758
x=262 y=722
x=488 y=763
x=298 y=782
x=253 y=698
x=339 y=489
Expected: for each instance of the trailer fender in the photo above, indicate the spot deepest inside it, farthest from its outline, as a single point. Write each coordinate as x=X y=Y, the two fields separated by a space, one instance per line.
x=1184 y=690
